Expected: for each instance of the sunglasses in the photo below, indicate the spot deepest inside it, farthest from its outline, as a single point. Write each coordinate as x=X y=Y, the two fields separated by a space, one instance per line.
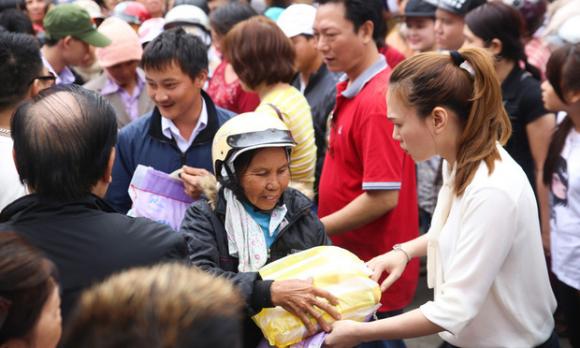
x=50 y=78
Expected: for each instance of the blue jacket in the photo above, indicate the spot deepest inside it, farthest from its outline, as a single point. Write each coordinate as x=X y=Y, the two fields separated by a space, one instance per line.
x=143 y=142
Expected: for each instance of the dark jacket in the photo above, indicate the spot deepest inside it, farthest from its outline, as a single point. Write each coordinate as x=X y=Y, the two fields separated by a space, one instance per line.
x=207 y=243
x=143 y=142
x=321 y=95
x=88 y=241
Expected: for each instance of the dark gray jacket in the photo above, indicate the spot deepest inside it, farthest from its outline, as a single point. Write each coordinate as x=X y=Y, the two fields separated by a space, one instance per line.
x=207 y=243
x=321 y=95
x=88 y=241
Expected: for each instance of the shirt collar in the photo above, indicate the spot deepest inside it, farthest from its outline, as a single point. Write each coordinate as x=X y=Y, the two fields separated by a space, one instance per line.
x=66 y=76
x=357 y=85
x=111 y=87
x=170 y=130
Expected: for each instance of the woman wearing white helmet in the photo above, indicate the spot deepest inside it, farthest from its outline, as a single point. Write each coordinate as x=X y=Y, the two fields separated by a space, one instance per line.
x=256 y=219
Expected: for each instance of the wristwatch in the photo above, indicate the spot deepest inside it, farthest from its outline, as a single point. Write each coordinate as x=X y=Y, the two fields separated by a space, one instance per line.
x=400 y=248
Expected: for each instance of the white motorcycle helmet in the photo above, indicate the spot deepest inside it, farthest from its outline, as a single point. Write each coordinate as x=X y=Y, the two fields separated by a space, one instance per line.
x=192 y=19
x=242 y=133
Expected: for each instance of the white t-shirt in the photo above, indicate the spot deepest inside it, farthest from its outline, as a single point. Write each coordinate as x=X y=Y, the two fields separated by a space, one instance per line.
x=495 y=290
x=565 y=224
x=10 y=186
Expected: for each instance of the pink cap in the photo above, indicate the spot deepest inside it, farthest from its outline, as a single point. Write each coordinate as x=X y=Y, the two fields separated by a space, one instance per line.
x=125 y=45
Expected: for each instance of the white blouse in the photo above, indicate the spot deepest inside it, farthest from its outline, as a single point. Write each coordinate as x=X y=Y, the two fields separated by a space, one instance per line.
x=565 y=224
x=494 y=290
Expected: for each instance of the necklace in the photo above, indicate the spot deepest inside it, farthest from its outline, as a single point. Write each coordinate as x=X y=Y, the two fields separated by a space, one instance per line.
x=5 y=132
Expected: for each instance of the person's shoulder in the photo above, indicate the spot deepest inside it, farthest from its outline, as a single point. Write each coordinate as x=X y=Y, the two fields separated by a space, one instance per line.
x=223 y=115
x=137 y=127
x=507 y=176
x=146 y=229
x=97 y=83
x=295 y=200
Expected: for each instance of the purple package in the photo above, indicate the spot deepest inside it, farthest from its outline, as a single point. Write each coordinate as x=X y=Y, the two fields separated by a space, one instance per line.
x=158 y=196
x=315 y=341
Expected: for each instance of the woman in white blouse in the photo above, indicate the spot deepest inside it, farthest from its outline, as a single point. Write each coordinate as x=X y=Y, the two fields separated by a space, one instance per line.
x=484 y=250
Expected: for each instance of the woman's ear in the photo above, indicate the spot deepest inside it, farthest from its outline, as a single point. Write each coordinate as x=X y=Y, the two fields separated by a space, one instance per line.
x=439 y=118
x=495 y=46
x=573 y=97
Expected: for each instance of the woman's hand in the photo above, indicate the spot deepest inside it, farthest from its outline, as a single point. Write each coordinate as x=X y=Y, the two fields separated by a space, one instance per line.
x=302 y=299
x=193 y=179
x=393 y=263
x=343 y=334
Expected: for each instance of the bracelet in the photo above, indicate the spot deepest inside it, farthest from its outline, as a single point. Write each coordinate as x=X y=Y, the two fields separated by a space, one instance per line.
x=399 y=247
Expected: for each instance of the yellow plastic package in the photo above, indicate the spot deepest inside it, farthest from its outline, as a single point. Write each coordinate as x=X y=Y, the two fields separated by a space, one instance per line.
x=333 y=269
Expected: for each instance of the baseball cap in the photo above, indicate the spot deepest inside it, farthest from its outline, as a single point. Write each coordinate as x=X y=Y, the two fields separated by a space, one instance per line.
x=69 y=19
x=125 y=45
x=297 y=19
x=420 y=8
x=460 y=7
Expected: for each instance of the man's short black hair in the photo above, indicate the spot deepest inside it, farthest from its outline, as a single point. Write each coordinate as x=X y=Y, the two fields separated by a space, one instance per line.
x=16 y=21
x=20 y=63
x=360 y=11
x=63 y=140
x=175 y=46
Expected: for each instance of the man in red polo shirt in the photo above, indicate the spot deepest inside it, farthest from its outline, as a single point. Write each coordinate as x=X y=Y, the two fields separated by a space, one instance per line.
x=367 y=194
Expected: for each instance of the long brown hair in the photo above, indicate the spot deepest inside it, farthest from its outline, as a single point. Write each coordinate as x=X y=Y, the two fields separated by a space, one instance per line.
x=433 y=79
x=564 y=76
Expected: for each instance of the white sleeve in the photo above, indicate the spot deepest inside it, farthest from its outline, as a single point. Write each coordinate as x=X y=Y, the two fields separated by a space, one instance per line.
x=486 y=232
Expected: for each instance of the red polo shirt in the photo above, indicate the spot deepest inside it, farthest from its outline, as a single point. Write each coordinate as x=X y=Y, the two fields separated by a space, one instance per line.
x=362 y=155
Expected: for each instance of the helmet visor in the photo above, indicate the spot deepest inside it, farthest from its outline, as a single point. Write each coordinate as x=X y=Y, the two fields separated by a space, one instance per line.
x=274 y=137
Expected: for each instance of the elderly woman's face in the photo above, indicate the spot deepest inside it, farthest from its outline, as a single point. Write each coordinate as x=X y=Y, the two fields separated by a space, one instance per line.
x=266 y=178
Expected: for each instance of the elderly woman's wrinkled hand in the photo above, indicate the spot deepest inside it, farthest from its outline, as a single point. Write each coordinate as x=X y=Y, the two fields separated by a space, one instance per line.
x=302 y=299
x=193 y=179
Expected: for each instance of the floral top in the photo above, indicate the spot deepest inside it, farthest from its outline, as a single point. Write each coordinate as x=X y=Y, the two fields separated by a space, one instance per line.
x=230 y=96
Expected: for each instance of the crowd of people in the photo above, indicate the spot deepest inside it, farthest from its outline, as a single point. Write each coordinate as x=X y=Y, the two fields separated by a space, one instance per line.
x=398 y=130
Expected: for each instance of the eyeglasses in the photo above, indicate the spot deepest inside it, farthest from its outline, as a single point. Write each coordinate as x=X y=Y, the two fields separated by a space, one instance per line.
x=49 y=79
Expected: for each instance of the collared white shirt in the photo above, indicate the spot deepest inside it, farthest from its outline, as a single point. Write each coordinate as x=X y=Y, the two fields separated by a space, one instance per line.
x=495 y=291
x=66 y=76
x=170 y=130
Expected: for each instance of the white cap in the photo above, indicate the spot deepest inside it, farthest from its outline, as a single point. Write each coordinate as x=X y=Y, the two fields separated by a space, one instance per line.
x=297 y=19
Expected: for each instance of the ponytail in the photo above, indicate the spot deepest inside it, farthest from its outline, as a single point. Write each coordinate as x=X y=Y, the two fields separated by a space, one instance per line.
x=486 y=124
x=464 y=82
x=555 y=149
x=564 y=76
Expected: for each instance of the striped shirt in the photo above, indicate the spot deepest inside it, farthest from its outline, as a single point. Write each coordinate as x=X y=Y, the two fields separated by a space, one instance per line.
x=296 y=115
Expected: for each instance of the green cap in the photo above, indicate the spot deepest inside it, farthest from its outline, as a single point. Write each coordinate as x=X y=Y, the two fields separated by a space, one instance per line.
x=69 y=19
